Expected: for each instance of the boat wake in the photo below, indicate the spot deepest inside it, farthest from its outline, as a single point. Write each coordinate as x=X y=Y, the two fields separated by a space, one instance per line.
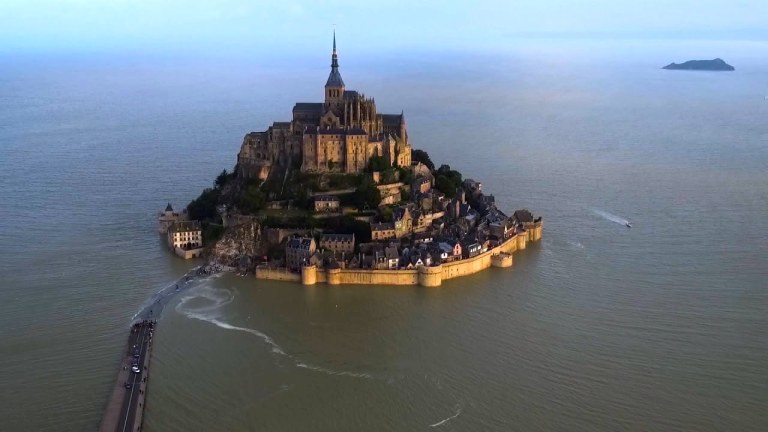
x=446 y=420
x=611 y=217
x=334 y=372
x=213 y=299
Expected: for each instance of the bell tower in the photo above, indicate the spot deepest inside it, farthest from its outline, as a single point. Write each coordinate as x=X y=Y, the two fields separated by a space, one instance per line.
x=334 y=87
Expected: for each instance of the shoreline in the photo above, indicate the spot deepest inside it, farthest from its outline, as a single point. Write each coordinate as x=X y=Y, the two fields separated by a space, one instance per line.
x=427 y=276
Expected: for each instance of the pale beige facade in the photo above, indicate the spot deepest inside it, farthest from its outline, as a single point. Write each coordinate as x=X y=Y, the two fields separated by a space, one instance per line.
x=185 y=235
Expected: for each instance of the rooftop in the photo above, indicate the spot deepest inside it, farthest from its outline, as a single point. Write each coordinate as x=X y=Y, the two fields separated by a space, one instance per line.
x=185 y=226
x=303 y=243
x=314 y=107
x=338 y=237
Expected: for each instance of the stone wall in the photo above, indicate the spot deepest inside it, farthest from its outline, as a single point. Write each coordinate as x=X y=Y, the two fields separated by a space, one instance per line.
x=188 y=253
x=280 y=274
x=275 y=236
x=424 y=276
x=479 y=263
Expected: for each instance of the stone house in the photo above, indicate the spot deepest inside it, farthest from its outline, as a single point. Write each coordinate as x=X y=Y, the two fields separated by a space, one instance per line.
x=382 y=231
x=456 y=246
x=403 y=221
x=327 y=204
x=338 y=243
x=421 y=170
x=471 y=249
x=445 y=251
x=423 y=237
x=185 y=235
x=502 y=229
x=185 y=238
x=392 y=256
x=421 y=185
x=298 y=250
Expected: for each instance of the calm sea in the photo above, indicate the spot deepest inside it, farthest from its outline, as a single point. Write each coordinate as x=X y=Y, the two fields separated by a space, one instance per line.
x=663 y=326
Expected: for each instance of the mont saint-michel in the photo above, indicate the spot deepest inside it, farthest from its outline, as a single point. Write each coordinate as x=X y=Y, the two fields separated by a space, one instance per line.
x=338 y=195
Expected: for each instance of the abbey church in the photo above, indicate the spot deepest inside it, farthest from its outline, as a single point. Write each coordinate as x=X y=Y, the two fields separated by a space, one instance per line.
x=338 y=135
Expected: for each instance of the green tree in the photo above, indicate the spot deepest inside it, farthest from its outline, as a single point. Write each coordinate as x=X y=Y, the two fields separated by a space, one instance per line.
x=405 y=194
x=212 y=233
x=423 y=157
x=385 y=214
x=406 y=175
x=367 y=195
x=445 y=185
x=203 y=208
x=454 y=176
x=223 y=178
x=252 y=199
x=378 y=163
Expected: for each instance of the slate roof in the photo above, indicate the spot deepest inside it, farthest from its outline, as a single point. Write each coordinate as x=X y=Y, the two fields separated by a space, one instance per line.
x=299 y=243
x=334 y=78
x=391 y=120
x=351 y=94
x=338 y=237
x=185 y=226
x=168 y=208
x=314 y=107
x=382 y=226
x=522 y=216
x=391 y=253
x=400 y=212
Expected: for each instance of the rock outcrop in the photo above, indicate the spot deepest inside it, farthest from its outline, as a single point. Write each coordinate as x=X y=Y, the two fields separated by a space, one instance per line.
x=239 y=246
x=717 y=64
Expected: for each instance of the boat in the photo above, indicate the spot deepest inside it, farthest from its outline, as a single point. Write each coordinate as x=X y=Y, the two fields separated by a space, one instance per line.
x=629 y=225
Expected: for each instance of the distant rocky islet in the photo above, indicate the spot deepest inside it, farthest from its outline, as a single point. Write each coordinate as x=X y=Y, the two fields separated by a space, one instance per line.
x=717 y=64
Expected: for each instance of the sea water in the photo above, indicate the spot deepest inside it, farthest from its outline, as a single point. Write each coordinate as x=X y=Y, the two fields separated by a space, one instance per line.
x=596 y=327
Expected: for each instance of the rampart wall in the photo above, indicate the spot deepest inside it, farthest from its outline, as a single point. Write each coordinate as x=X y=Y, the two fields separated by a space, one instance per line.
x=500 y=256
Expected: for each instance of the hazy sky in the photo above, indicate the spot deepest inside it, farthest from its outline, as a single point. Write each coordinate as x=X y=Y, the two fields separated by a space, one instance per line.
x=224 y=25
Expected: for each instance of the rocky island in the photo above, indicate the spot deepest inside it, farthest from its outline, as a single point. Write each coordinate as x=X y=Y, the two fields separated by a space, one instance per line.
x=338 y=195
x=717 y=64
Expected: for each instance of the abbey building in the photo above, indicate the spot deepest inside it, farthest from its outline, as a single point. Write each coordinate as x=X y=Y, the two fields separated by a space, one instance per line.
x=340 y=134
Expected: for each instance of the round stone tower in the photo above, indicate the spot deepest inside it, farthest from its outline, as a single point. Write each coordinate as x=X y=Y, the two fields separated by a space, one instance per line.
x=521 y=240
x=333 y=276
x=308 y=275
x=431 y=276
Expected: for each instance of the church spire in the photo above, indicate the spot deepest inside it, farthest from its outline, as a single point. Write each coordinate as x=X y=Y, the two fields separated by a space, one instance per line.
x=334 y=79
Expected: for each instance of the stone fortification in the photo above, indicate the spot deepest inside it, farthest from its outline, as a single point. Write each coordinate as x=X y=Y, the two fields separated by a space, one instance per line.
x=433 y=276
